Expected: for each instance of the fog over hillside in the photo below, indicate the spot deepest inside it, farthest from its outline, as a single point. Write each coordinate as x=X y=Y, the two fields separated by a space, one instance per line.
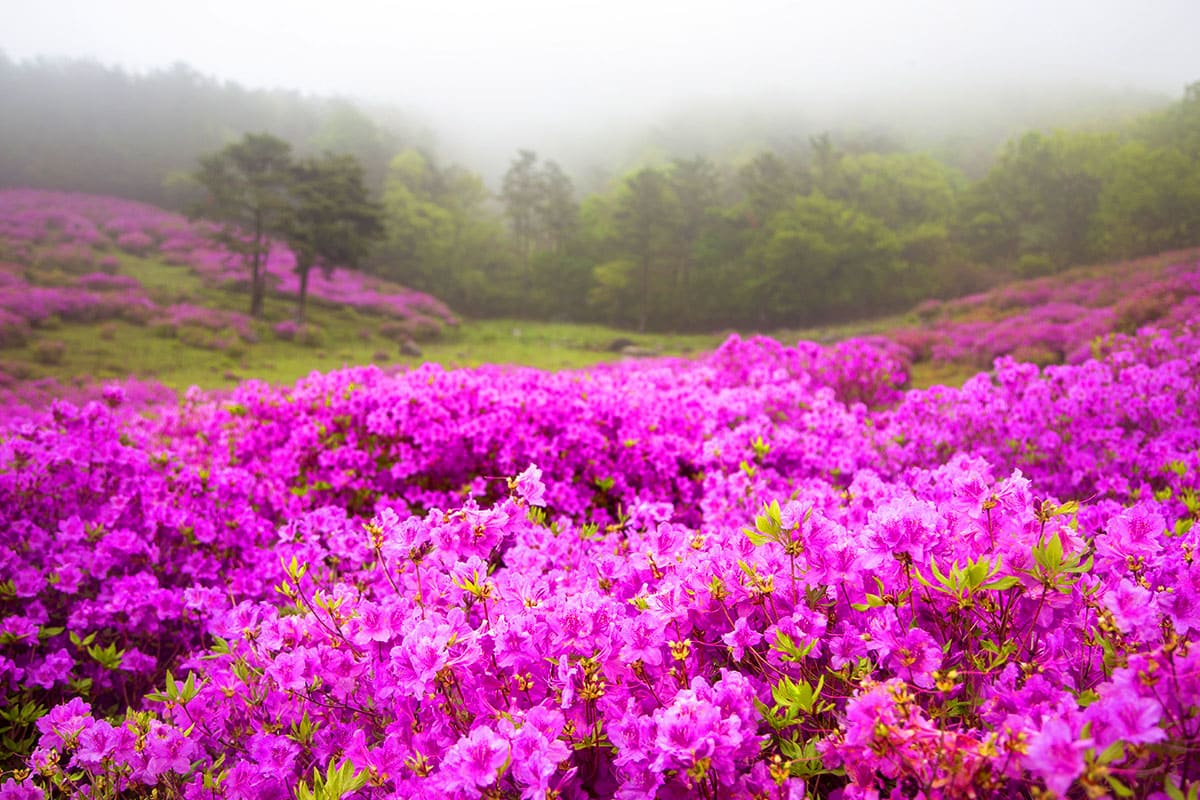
x=602 y=84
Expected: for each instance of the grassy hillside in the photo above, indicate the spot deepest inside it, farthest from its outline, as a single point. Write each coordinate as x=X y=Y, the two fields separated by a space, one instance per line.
x=342 y=335
x=94 y=289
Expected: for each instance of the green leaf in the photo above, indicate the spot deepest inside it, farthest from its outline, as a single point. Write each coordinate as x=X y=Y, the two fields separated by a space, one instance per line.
x=977 y=572
x=1069 y=507
x=1086 y=566
x=757 y=538
x=1178 y=467
x=1001 y=584
x=108 y=657
x=336 y=783
x=1054 y=552
x=1114 y=752
x=944 y=580
x=784 y=645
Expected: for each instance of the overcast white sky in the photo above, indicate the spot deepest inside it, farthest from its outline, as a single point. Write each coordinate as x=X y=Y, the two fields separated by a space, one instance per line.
x=509 y=65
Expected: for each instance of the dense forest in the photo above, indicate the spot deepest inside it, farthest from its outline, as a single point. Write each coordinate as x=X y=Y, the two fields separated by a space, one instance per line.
x=832 y=231
x=840 y=227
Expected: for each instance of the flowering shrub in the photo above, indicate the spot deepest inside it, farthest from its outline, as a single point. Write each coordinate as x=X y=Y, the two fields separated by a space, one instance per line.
x=286 y=329
x=1055 y=320
x=135 y=242
x=90 y=297
x=14 y=329
x=763 y=573
x=38 y=304
x=69 y=256
x=103 y=281
x=179 y=317
x=302 y=333
x=22 y=398
x=50 y=351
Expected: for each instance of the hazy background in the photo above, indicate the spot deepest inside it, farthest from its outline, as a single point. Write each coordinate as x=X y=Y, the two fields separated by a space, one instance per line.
x=595 y=83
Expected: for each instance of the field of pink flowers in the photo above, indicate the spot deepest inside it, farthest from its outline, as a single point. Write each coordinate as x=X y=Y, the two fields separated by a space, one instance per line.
x=1055 y=320
x=79 y=235
x=769 y=572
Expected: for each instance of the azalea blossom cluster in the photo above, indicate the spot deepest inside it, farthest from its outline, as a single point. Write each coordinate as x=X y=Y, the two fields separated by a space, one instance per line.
x=22 y=397
x=71 y=230
x=183 y=315
x=1054 y=320
x=767 y=572
x=24 y=306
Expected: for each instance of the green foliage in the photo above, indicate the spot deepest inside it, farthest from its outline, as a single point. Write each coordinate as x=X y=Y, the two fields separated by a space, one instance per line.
x=768 y=526
x=795 y=706
x=82 y=126
x=332 y=222
x=1039 y=199
x=793 y=700
x=644 y=217
x=962 y=583
x=247 y=186
x=522 y=196
x=821 y=259
x=334 y=785
x=902 y=190
x=543 y=218
x=18 y=732
x=767 y=185
x=175 y=693
x=1149 y=201
x=1056 y=569
x=440 y=237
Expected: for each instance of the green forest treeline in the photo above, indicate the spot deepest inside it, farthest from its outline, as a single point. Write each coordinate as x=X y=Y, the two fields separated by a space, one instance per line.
x=828 y=232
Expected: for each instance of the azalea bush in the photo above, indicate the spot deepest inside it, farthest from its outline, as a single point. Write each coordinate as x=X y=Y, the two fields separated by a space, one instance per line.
x=768 y=572
x=1055 y=320
x=89 y=298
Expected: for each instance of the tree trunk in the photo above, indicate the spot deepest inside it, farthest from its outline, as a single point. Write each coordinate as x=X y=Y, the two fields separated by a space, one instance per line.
x=645 y=299
x=258 y=283
x=256 y=269
x=302 y=300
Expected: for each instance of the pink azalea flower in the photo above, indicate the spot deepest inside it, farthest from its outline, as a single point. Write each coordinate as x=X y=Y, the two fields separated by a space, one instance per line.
x=741 y=638
x=530 y=487
x=1056 y=754
x=475 y=760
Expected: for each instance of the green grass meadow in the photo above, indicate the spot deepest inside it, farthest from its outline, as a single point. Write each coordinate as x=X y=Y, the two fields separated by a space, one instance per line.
x=117 y=349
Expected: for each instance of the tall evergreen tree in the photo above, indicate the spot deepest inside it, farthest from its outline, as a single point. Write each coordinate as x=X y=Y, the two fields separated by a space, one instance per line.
x=558 y=212
x=247 y=185
x=521 y=193
x=645 y=219
x=333 y=221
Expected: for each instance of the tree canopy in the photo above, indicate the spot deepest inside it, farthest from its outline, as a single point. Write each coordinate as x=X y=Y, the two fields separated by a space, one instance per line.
x=318 y=206
x=248 y=185
x=332 y=221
